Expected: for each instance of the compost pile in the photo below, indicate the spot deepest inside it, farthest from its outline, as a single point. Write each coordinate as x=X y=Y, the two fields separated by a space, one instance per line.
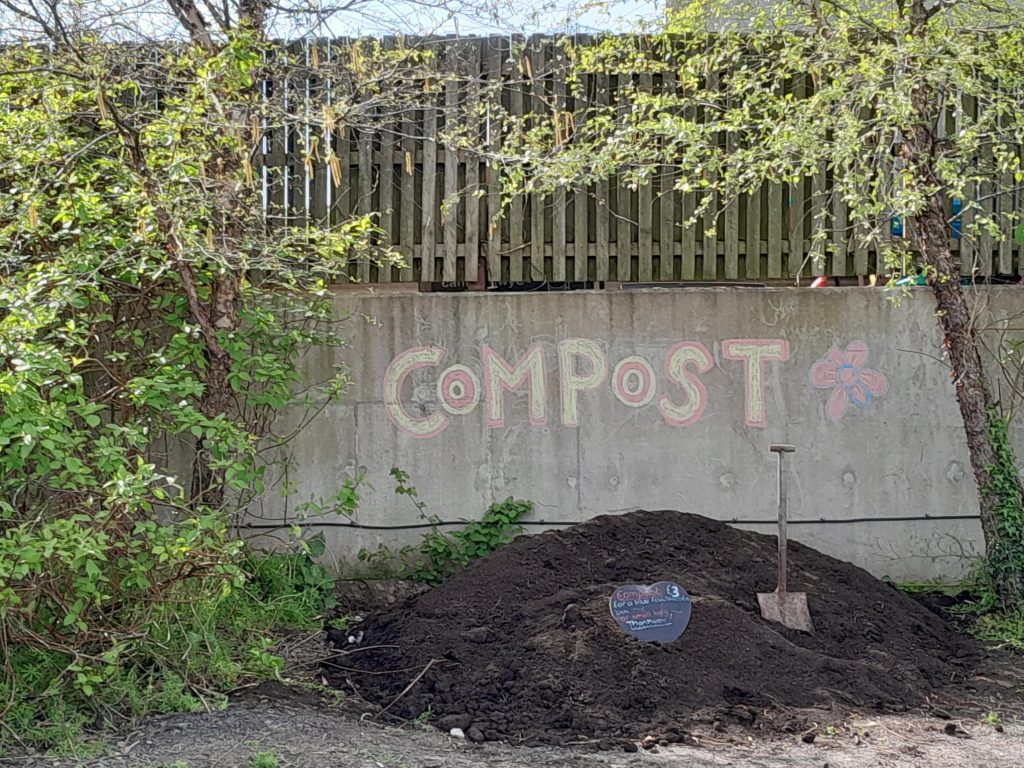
x=521 y=646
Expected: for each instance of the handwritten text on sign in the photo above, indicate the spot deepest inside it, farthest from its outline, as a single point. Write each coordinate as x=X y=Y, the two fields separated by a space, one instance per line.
x=582 y=366
x=659 y=612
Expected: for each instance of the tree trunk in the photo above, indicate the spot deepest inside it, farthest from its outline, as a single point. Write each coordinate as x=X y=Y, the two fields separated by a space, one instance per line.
x=972 y=394
x=218 y=398
x=221 y=314
x=931 y=233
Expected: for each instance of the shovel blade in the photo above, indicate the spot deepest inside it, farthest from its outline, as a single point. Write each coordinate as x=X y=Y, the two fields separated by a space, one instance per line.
x=787 y=608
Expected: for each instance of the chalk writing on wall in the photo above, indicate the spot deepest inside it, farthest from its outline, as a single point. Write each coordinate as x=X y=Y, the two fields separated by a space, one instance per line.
x=852 y=383
x=679 y=393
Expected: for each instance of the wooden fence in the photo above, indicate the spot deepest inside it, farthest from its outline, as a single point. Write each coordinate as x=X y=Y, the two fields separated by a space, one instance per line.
x=437 y=206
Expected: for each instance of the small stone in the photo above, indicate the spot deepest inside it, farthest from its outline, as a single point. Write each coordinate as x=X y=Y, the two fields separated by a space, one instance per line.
x=477 y=635
x=808 y=738
x=1000 y=729
x=450 y=722
x=475 y=735
x=949 y=729
x=630 y=746
x=941 y=714
x=457 y=733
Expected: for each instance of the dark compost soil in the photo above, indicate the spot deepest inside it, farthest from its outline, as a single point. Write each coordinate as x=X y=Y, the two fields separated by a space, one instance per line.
x=521 y=645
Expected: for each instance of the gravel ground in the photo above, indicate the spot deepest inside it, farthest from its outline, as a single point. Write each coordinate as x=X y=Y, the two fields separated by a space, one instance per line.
x=308 y=732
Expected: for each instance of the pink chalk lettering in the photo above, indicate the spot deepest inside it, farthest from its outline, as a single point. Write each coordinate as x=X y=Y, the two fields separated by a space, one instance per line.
x=633 y=382
x=458 y=390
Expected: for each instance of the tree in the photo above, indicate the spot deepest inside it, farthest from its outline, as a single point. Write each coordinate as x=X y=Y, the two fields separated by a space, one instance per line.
x=148 y=309
x=901 y=106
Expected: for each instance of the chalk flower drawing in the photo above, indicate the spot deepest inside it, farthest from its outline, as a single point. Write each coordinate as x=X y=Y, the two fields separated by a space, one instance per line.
x=851 y=383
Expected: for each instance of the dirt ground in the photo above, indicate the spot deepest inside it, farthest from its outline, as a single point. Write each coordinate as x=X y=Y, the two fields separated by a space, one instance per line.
x=305 y=731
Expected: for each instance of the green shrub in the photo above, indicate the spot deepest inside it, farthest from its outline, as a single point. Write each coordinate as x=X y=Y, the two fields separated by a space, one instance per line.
x=440 y=553
x=196 y=645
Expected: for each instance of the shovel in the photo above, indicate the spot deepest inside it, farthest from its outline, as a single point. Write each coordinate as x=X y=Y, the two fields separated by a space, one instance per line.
x=787 y=608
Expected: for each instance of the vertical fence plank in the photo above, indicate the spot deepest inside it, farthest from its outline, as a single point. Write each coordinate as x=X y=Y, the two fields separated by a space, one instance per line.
x=580 y=235
x=861 y=257
x=294 y=207
x=796 y=228
x=986 y=200
x=582 y=196
x=623 y=201
x=732 y=239
x=840 y=235
x=623 y=231
x=407 y=187
x=732 y=226
x=819 y=264
x=364 y=206
x=1007 y=215
x=320 y=138
x=602 y=197
x=753 y=234
x=967 y=239
x=386 y=186
x=688 y=236
x=516 y=221
x=796 y=211
x=474 y=49
x=776 y=218
x=645 y=210
x=709 y=243
x=493 y=55
x=428 y=194
x=341 y=176
x=540 y=111
x=449 y=204
x=667 y=226
x=559 y=98
x=274 y=145
x=603 y=229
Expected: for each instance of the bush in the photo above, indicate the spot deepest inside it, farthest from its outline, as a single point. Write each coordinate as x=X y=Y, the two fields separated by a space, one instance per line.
x=204 y=638
x=440 y=554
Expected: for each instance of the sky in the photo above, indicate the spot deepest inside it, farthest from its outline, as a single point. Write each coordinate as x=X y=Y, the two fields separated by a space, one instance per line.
x=495 y=17
x=132 y=19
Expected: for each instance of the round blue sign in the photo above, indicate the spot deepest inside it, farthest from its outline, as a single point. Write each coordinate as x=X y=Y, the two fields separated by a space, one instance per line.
x=659 y=612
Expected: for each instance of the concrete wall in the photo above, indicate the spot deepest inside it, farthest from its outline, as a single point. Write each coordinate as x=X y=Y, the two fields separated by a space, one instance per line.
x=601 y=402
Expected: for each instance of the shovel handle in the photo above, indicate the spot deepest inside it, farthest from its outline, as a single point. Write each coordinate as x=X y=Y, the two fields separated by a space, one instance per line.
x=783 y=544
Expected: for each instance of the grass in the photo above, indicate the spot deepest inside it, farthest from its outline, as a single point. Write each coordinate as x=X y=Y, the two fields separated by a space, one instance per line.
x=995 y=628
x=1001 y=629
x=264 y=760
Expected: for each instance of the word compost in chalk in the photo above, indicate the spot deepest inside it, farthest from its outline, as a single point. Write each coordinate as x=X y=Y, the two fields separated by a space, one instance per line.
x=659 y=612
